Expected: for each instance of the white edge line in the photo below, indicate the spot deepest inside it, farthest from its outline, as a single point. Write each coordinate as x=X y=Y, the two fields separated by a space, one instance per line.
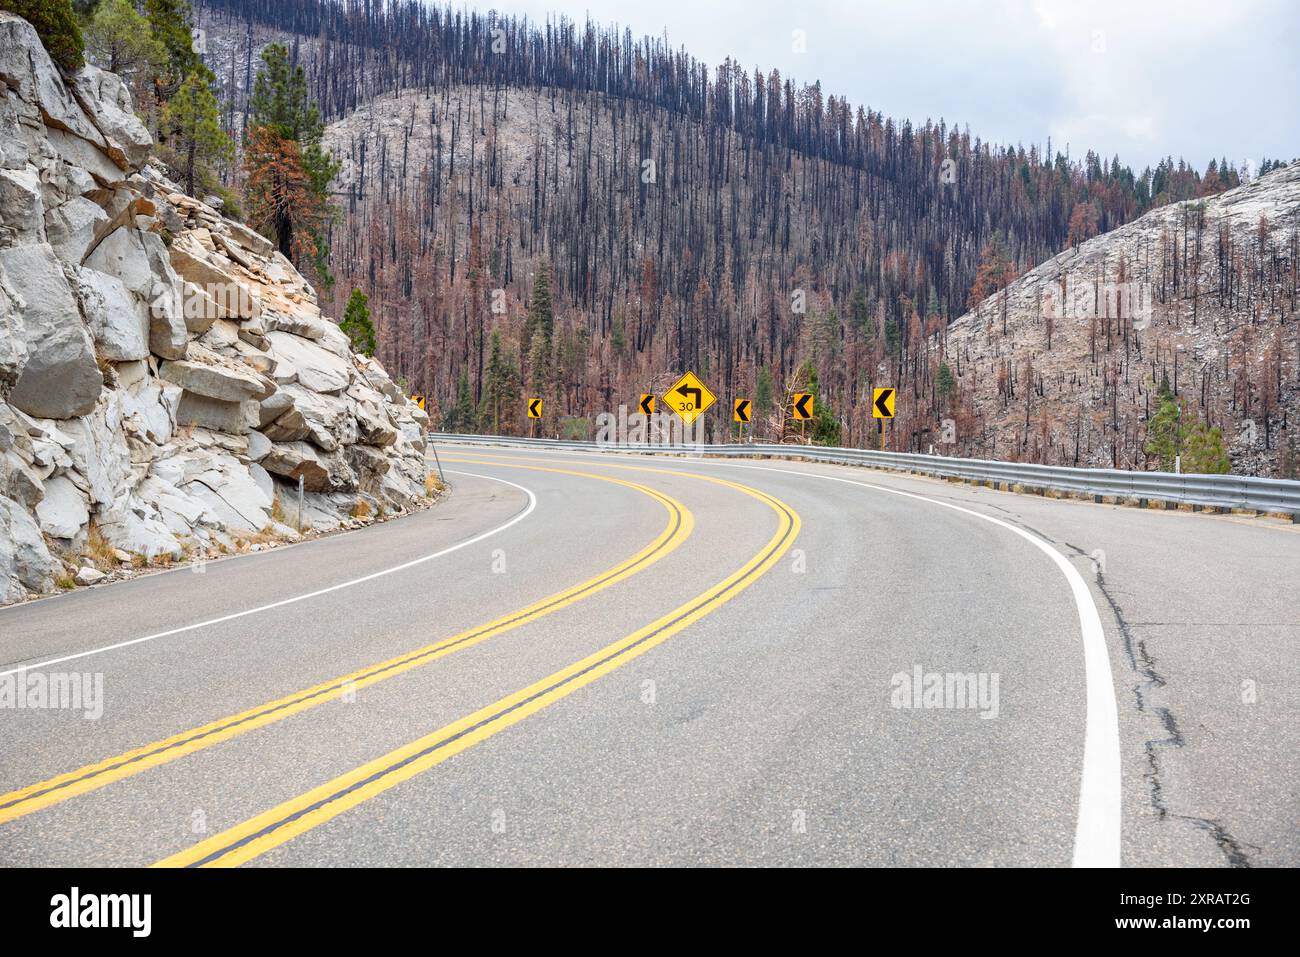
x=532 y=504
x=1097 y=830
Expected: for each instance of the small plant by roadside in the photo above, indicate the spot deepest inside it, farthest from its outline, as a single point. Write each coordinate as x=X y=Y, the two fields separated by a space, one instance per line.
x=98 y=549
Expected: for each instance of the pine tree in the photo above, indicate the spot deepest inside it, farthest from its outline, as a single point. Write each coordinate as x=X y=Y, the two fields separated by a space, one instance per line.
x=171 y=21
x=280 y=98
x=1205 y=453
x=860 y=315
x=357 y=325
x=285 y=127
x=540 y=376
x=893 y=339
x=763 y=392
x=122 y=41
x=995 y=271
x=57 y=27
x=282 y=201
x=1164 y=430
x=1083 y=224
x=541 y=309
x=945 y=382
x=195 y=123
x=461 y=417
x=501 y=389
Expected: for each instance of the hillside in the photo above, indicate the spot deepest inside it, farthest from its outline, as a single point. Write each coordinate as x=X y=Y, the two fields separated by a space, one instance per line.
x=1062 y=366
x=729 y=220
x=166 y=377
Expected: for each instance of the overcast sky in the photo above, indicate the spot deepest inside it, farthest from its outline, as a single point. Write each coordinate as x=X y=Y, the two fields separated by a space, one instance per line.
x=1141 y=79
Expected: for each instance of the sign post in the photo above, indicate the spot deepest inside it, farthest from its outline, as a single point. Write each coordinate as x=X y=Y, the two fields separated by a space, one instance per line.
x=882 y=408
x=803 y=404
x=534 y=413
x=740 y=412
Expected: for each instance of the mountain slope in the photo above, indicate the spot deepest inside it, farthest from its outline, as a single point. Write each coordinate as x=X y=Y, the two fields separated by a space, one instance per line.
x=725 y=220
x=1062 y=366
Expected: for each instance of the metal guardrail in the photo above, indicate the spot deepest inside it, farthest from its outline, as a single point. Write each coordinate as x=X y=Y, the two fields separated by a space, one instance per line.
x=1220 y=491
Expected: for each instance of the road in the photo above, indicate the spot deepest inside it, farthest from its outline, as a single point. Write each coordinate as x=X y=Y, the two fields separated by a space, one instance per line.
x=582 y=659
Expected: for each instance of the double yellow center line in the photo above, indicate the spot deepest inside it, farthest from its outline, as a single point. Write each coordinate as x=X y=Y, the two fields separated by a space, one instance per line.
x=275 y=827
x=55 y=790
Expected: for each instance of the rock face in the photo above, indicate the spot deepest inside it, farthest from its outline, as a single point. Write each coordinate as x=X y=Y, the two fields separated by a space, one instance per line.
x=162 y=388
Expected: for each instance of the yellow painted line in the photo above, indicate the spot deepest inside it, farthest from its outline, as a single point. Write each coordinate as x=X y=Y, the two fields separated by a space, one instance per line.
x=257 y=835
x=34 y=797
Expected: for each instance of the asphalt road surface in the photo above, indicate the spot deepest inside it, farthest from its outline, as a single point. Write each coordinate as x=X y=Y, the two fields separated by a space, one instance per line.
x=632 y=660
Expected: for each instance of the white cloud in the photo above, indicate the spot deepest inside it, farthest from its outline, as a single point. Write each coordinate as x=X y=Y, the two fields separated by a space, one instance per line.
x=1194 y=78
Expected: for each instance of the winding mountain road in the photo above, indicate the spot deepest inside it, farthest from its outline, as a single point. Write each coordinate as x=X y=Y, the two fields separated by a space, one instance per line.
x=623 y=660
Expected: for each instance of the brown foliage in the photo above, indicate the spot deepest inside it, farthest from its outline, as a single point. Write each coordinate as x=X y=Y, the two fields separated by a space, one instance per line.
x=281 y=200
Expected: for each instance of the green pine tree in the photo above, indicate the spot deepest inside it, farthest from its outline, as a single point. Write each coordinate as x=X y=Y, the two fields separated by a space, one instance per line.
x=860 y=315
x=56 y=25
x=1205 y=453
x=461 y=417
x=280 y=100
x=1164 y=429
x=501 y=388
x=357 y=324
x=893 y=339
x=541 y=309
x=122 y=41
x=946 y=383
x=763 y=391
x=192 y=116
x=172 y=21
x=617 y=338
x=541 y=376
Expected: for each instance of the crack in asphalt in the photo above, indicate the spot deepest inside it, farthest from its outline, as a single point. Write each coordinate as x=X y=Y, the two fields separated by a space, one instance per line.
x=1143 y=664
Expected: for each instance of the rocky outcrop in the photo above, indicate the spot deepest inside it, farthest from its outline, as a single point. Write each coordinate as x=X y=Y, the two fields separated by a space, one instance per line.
x=166 y=376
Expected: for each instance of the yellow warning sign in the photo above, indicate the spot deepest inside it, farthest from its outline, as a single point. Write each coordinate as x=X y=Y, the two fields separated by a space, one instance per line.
x=534 y=408
x=882 y=403
x=689 y=397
